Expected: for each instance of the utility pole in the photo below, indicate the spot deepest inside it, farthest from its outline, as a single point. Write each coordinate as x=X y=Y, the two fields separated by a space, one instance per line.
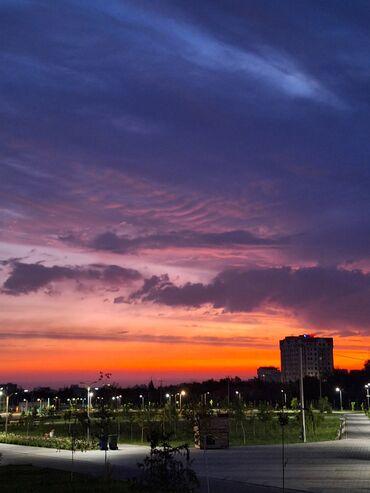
x=302 y=392
x=320 y=371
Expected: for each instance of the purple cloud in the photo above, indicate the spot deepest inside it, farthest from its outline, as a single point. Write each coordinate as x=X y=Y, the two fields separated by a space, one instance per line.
x=324 y=297
x=26 y=278
x=179 y=239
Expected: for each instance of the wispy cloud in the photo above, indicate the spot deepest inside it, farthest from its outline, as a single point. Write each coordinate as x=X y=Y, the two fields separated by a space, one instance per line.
x=127 y=336
x=120 y=244
x=267 y=65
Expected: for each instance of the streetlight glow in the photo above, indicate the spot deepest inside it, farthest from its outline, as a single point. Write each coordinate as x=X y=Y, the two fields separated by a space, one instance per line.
x=337 y=389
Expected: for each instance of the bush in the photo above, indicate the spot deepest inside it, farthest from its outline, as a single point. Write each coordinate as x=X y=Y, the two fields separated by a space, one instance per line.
x=165 y=470
x=58 y=443
x=325 y=406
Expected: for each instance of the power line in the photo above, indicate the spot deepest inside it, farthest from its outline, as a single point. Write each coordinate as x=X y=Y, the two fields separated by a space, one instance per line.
x=351 y=357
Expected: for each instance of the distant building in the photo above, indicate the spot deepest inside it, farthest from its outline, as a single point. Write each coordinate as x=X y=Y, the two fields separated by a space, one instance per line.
x=269 y=374
x=317 y=356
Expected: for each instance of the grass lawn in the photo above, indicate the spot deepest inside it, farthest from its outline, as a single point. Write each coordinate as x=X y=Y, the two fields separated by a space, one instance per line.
x=250 y=431
x=323 y=427
x=15 y=479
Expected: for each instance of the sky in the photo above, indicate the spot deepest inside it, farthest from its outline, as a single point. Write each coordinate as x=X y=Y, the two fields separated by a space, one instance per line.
x=182 y=184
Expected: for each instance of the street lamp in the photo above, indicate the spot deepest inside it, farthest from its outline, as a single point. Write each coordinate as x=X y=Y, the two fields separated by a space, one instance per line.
x=142 y=401
x=284 y=397
x=117 y=399
x=340 y=397
x=40 y=405
x=182 y=394
x=7 y=397
x=26 y=401
x=204 y=398
x=88 y=401
x=301 y=391
x=367 y=387
x=238 y=394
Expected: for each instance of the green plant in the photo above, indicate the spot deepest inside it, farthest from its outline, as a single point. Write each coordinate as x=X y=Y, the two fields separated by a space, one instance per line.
x=167 y=469
x=64 y=443
x=325 y=406
x=294 y=404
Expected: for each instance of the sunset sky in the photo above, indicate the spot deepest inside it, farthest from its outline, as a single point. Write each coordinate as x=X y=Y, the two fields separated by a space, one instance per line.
x=182 y=184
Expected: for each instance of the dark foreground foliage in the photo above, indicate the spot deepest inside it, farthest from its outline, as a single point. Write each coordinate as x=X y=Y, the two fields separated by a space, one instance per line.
x=167 y=469
x=15 y=479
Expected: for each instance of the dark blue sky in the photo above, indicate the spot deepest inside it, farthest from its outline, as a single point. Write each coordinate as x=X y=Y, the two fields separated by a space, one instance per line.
x=216 y=151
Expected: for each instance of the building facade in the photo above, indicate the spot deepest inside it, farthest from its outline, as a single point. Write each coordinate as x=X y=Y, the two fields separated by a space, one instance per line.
x=317 y=356
x=268 y=374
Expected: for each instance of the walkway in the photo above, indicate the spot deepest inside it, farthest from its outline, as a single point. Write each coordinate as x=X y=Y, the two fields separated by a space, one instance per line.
x=342 y=466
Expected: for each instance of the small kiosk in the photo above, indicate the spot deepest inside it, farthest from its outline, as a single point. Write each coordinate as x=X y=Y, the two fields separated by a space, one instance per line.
x=212 y=432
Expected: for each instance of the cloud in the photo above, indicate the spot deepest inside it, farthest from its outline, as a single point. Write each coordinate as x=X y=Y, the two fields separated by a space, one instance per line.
x=120 y=244
x=26 y=278
x=323 y=297
x=201 y=48
x=126 y=336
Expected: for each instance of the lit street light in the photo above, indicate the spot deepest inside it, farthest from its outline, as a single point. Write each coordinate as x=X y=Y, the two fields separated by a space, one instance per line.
x=40 y=405
x=239 y=395
x=117 y=399
x=7 y=398
x=340 y=397
x=182 y=394
x=142 y=401
x=367 y=387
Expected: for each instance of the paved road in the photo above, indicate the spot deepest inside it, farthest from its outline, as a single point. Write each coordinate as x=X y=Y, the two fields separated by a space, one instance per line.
x=342 y=466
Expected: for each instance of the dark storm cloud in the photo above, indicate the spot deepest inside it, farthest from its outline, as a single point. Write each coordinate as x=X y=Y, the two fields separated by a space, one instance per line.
x=119 y=244
x=323 y=297
x=26 y=278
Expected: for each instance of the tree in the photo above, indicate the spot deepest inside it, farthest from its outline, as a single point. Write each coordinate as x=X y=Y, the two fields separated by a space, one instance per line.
x=166 y=469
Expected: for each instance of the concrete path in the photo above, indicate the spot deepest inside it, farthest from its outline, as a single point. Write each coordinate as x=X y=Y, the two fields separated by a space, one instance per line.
x=342 y=466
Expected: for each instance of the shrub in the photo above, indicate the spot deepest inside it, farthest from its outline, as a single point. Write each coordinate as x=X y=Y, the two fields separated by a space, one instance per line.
x=165 y=469
x=55 y=442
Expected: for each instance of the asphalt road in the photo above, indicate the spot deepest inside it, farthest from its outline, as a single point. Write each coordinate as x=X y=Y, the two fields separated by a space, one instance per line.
x=342 y=466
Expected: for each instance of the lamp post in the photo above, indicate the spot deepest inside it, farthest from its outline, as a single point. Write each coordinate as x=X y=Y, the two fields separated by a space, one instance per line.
x=6 y=409
x=40 y=405
x=142 y=401
x=168 y=396
x=204 y=398
x=182 y=394
x=239 y=395
x=7 y=413
x=340 y=397
x=367 y=387
x=117 y=399
x=301 y=388
x=7 y=397
x=283 y=397
x=26 y=401
x=88 y=402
